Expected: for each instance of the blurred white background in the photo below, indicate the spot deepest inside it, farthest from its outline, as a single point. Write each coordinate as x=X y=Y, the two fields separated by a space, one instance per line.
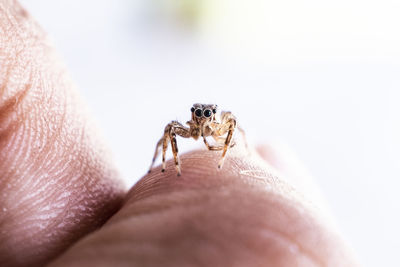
x=322 y=76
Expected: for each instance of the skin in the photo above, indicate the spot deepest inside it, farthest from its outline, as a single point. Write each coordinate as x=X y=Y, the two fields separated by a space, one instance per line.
x=58 y=185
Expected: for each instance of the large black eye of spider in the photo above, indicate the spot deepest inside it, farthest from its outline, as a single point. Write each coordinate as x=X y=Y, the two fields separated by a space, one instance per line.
x=192 y=109
x=207 y=113
x=198 y=112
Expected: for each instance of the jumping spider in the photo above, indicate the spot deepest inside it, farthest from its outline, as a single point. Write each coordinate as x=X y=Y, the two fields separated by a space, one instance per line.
x=204 y=123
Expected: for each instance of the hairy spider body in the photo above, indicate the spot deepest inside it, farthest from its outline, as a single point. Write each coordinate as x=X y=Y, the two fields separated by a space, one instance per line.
x=204 y=123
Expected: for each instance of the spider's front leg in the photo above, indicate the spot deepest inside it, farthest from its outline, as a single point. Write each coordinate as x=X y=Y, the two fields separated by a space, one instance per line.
x=218 y=139
x=228 y=124
x=171 y=130
x=210 y=147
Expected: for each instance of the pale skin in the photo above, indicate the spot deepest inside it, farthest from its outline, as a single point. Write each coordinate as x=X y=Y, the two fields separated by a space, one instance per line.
x=58 y=185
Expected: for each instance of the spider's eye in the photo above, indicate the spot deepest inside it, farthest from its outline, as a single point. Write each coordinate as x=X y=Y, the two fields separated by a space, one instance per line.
x=198 y=112
x=192 y=109
x=207 y=113
x=214 y=111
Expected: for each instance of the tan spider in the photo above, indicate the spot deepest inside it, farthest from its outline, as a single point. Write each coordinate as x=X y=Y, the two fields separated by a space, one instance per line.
x=203 y=123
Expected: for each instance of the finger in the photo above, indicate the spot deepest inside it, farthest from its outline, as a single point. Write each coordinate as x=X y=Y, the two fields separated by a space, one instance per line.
x=242 y=215
x=56 y=179
x=282 y=158
x=288 y=166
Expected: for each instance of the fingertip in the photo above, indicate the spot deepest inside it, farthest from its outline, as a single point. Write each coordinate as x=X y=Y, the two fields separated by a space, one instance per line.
x=242 y=215
x=277 y=154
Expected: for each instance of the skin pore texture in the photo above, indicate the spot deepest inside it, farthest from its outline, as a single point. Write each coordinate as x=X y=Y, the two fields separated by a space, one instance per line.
x=242 y=215
x=58 y=186
x=57 y=182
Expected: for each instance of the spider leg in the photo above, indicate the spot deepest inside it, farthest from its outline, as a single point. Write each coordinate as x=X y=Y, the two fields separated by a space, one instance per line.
x=228 y=124
x=227 y=143
x=172 y=129
x=220 y=139
x=210 y=147
x=158 y=146
x=175 y=153
x=164 y=151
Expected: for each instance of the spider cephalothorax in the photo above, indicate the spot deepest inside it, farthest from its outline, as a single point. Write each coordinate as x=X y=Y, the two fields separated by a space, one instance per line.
x=203 y=113
x=204 y=123
x=202 y=118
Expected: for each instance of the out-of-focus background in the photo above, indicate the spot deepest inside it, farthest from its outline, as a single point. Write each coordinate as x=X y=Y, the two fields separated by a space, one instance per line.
x=322 y=76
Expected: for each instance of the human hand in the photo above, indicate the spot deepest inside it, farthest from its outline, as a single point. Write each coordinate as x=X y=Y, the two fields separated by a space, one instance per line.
x=57 y=184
